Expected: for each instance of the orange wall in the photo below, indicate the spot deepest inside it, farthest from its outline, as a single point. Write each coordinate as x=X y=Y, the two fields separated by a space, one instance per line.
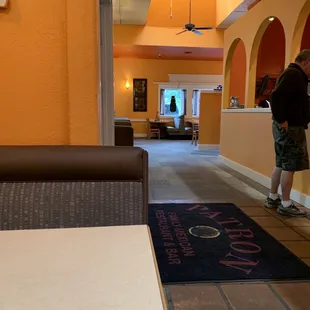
x=253 y=4
x=83 y=71
x=271 y=54
x=48 y=84
x=305 y=44
x=153 y=71
x=210 y=118
x=33 y=75
x=242 y=143
x=238 y=73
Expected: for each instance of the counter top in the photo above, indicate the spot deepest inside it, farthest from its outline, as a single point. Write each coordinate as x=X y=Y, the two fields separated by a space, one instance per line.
x=247 y=110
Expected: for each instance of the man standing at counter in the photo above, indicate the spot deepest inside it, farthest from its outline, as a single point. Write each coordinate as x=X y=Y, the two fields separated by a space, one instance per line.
x=290 y=113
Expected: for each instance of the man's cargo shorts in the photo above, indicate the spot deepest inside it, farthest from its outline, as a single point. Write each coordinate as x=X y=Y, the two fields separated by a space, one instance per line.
x=290 y=148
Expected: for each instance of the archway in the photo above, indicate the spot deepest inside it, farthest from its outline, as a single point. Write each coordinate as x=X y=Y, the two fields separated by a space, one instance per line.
x=270 y=61
x=302 y=28
x=235 y=73
x=238 y=73
x=305 y=42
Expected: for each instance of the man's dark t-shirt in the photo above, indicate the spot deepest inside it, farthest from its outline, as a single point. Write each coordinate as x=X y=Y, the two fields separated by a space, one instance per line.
x=289 y=100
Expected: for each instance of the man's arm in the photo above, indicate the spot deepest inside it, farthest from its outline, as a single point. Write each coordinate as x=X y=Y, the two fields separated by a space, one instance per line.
x=282 y=95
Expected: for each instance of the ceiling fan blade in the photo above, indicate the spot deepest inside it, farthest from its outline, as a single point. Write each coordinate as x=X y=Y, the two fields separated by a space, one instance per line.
x=181 y=31
x=197 y=32
x=204 y=28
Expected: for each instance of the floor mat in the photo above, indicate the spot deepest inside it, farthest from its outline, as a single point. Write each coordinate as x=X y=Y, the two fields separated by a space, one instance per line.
x=217 y=242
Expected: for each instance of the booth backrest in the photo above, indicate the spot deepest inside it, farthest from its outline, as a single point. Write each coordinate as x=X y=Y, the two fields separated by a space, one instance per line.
x=72 y=186
x=124 y=135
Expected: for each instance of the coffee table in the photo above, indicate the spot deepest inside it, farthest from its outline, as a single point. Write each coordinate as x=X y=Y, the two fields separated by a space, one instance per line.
x=79 y=269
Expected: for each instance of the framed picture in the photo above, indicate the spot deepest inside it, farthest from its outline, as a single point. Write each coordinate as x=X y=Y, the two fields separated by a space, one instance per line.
x=139 y=95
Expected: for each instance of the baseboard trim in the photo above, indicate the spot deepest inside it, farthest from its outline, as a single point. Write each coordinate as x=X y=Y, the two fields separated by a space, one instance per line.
x=138 y=120
x=206 y=147
x=139 y=135
x=299 y=197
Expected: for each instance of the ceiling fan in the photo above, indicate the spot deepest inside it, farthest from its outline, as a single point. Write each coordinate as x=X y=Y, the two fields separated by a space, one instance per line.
x=191 y=27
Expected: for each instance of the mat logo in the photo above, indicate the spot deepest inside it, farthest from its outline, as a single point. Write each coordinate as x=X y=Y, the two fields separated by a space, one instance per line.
x=204 y=232
x=242 y=245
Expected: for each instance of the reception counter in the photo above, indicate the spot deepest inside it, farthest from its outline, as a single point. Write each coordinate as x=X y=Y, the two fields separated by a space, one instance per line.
x=247 y=146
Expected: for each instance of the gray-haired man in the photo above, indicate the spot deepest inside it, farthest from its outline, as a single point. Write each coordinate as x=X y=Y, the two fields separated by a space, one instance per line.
x=291 y=116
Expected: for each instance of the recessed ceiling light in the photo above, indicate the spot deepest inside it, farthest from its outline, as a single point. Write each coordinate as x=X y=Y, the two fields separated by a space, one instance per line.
x=271 y=18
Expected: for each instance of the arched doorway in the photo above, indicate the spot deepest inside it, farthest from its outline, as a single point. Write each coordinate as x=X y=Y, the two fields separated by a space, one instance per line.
x=270 y=61
x=235 y=73
x=238 y=73
x=301 y=38
x=305 y=42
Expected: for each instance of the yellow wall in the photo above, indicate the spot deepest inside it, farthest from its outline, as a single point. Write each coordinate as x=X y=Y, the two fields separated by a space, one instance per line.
x=210 y=118
x=162 y=36
x=246 y=137
x=250 y=28
x=48 y=72
x=224 y=8
x=153 y=71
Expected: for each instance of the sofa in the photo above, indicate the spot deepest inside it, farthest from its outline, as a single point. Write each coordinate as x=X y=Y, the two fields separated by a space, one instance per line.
x=72 y=186
x=123 y=121
x=124 y=134
x=180 y=127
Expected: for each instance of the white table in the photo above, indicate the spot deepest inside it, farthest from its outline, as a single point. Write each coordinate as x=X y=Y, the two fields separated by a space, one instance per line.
x=79 y=269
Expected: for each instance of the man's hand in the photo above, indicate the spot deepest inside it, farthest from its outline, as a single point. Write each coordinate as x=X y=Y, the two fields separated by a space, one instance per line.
x=284 y=126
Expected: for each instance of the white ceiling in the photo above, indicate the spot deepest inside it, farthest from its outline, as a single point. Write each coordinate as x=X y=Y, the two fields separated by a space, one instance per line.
x=130 y=12
x=239 y=11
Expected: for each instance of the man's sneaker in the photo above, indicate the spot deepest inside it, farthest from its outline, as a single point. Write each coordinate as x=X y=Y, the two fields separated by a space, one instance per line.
x=270 y=203
x=292 y=210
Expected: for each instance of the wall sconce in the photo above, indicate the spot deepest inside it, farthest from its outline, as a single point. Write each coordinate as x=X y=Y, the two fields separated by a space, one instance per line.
x=127 y=85
x=4 y=4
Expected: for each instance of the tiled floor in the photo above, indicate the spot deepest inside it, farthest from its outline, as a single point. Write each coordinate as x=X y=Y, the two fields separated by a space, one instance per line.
x=176 y=174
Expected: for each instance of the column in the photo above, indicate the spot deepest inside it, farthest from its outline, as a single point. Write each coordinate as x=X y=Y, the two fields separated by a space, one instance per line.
x=189 y=97
x=106 y=102
x=83 y=71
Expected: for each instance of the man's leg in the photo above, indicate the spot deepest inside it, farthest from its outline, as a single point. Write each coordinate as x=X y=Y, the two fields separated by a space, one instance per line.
x=295 y=158
x=287 y=178
x=287 y=206
x=273 y=200
x=275 y=180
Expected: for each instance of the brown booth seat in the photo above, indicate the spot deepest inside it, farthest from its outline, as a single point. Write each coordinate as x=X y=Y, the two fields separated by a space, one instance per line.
x=124 y=134
x=72 y=186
